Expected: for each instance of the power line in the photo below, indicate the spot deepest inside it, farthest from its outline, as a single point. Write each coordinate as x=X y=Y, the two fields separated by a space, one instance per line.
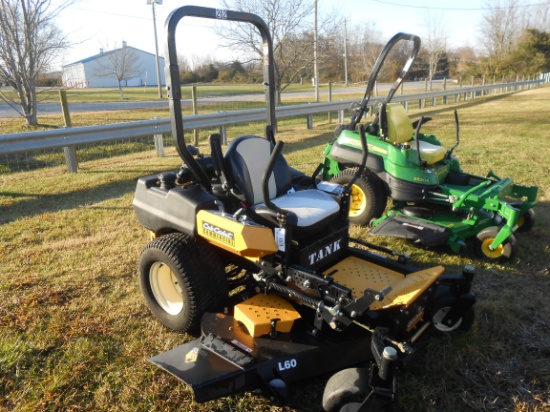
x=455 y=8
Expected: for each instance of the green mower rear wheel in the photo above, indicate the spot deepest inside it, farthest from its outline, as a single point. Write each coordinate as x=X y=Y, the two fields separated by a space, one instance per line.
x=484 y=239
x=368 y=198
x=181 y=278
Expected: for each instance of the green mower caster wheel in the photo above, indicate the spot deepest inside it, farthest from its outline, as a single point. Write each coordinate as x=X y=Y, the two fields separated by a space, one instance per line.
x=503 y=252
x=526 y=221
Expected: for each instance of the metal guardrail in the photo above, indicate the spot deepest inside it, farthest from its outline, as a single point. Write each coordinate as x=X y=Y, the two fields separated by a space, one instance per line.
x=76 y=136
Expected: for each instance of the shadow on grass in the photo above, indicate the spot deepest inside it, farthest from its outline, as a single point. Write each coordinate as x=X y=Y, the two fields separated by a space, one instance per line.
x=37 y=204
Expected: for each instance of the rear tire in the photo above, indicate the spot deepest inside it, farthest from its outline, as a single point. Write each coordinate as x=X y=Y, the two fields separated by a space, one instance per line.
x=368 y=197
x=181 y=278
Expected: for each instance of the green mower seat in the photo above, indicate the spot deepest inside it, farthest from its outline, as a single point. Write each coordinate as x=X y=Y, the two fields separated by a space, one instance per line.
x=400 y=130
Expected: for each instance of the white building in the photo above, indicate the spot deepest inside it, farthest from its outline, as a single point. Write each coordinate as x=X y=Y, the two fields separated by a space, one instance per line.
x=136 y=68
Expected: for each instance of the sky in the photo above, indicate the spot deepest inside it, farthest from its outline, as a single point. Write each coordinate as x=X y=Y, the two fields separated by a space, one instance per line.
x=94 y=24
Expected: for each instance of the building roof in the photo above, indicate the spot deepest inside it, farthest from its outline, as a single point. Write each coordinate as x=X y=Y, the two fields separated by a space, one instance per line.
x=97 y=56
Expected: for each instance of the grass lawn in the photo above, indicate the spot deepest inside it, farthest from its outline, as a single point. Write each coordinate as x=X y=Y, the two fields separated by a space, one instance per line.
x=75 y=333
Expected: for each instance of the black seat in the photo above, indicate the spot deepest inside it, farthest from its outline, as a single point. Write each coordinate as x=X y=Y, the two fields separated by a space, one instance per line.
x=246 y=160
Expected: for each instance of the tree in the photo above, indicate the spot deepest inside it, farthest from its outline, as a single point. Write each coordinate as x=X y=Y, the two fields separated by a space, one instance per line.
x=284 y=18
x=505 y=24
x=501 y=27
x=435 y=44
x=532 y=54
x=122 y=64
x=365 y=44
x=29 y=42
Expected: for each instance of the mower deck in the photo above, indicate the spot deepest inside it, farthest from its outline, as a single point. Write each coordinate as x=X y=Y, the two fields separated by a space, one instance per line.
x=226 y=360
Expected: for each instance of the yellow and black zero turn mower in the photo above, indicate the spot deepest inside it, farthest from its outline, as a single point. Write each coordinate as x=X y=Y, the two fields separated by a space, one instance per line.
x=256 y=257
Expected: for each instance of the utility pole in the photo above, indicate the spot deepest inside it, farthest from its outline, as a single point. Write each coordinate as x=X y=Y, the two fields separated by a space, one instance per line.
x=346 y=53
x=315 y=68
x=159 y=84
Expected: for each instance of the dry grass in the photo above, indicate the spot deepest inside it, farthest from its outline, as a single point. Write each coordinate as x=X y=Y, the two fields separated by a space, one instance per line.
x=75 y=333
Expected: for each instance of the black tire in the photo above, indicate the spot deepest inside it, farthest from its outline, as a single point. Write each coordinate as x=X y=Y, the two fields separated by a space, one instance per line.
x=484 y=238
x=440 y=307
x=526 y=221
x=369 y=198
x=349 y=386
x=181 y=278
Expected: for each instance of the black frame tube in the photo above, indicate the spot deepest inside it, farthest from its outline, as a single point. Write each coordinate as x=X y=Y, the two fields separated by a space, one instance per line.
x=376 y=69
x=173 y=83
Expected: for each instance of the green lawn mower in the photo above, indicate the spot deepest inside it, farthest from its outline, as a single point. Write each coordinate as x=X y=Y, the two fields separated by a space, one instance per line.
x=434 y=201
x=256 y=258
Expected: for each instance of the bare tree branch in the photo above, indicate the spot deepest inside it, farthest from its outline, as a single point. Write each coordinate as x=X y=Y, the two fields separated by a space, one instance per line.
x=121 y=64
x=29 y=41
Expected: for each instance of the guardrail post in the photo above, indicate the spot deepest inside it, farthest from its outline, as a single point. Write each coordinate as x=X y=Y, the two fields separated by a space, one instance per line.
x=70 y=151
x=70 y=159
x=330 y=100
x=159 y=144
x=309 y=121
x=341 y=116
x=195 y=112
x=223 y=134
x=473 y=92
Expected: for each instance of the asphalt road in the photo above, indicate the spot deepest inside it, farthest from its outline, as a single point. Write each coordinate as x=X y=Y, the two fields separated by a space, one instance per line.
x=55 y=108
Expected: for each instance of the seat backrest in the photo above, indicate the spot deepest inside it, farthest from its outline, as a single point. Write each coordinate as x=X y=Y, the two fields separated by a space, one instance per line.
x=245 y=161
x=400 y=128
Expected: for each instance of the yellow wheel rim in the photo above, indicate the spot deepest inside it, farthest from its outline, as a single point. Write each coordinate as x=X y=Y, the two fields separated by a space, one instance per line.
x=521 y=221
x=493 y=254
x=358 y=202
x=166 y=288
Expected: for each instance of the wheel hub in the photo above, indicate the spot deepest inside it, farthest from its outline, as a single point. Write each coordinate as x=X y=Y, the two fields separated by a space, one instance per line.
x=166 y=288
x=491 y=253
x=358 y=201
x=439 y=325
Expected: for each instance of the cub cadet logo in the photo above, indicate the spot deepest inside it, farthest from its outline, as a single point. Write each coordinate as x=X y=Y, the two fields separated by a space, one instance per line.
x=218 y=233
x=324 y=252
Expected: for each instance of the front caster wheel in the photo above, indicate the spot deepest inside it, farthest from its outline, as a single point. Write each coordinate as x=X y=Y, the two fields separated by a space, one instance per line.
x=526 y=221
x=441 y=307
x=483 y=240
x=346 y=389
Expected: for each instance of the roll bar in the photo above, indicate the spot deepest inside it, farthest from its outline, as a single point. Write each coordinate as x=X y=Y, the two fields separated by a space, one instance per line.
x=173 y=83
x=362 y=109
